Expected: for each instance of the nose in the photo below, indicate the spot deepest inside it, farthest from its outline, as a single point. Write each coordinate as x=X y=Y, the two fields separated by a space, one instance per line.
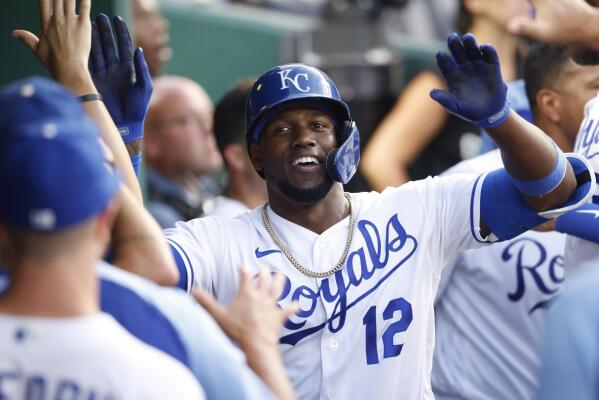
x=304 y=137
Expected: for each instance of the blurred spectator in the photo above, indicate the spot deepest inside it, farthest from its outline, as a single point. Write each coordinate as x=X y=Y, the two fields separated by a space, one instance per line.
x=245 y=188
x=418 y=138
x=150 y=29
x=180 y=151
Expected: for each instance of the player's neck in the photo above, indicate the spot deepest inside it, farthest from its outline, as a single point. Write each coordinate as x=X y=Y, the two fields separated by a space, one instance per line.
x=60 y=288
x=317 y=217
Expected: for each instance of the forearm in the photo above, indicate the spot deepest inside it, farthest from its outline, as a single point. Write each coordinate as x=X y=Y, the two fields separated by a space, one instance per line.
x=267 y=363
x=380 y=175
x=589 y=35
x=112 y=138
x=81 y=83
x=138 y=244
x=528 y=154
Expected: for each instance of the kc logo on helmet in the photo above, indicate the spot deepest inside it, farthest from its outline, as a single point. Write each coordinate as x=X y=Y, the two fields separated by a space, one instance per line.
x=285 y=79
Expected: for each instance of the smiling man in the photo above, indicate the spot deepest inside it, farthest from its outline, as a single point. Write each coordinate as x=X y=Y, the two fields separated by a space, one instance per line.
x=365 y=267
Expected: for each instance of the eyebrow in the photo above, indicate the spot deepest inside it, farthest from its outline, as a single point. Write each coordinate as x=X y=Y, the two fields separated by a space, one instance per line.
x=287 y=114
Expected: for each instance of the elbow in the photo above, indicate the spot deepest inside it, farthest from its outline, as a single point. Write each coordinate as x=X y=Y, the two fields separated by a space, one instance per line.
x=167 y=276
x=368 y=169
x=165 y=273
x=159 y=269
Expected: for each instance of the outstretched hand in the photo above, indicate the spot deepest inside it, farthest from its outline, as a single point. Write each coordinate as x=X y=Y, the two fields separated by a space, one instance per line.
x=121 y=76
x=476 y=92
x=253 y=317
x=64 y=42
x=559 y=21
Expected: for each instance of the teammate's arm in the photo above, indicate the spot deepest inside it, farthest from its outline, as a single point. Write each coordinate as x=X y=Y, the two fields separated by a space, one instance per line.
x=123 y=79
x=254 y=320
x=410 y=126
x=63 y=48
x=560 y=21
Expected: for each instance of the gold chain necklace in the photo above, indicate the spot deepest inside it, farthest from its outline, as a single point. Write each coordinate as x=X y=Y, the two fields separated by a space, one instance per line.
x=293 y=261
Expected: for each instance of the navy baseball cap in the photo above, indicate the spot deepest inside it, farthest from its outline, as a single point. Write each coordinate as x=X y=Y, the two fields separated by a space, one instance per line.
x=53 y=170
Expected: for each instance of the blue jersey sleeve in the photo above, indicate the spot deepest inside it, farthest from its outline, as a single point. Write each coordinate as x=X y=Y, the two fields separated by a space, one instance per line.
x=218 y=365
x=186 y=274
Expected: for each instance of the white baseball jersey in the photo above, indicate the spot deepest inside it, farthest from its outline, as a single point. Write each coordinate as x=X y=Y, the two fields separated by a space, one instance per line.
x=90 y=357
x=368 y=330
x=490 y=311
x=587 y=144
x=227 y=207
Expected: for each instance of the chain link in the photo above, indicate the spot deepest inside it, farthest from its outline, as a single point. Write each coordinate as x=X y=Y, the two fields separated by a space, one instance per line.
x=293 y=261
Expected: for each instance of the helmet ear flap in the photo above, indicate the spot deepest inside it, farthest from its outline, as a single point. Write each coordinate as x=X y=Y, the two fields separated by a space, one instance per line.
x=342 y=162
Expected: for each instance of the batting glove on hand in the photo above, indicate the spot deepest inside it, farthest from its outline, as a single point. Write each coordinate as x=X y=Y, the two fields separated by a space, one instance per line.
x=476 y=91
x=123 y=80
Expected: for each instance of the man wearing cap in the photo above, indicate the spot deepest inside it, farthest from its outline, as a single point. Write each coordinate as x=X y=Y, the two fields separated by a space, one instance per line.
x=56 y=211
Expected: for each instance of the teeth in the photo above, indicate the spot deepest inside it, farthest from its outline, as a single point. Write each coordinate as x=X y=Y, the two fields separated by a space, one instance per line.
x=306 y=160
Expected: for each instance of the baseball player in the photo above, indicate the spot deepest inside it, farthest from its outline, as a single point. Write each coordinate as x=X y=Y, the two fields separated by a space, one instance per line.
x=56 y=212
x=163 y=318
x=365 y=267
x=574 y=21
x=492 y=301
x=169 y=320
x=63 y=48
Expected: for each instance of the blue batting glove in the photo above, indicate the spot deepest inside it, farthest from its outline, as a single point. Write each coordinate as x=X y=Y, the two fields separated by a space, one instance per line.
x=476 y=92
x=122 y=77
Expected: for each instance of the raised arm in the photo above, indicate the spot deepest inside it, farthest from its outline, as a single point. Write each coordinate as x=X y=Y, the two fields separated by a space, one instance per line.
x=560 y=21
x=535 y=169
x=123 y=78
x=63 y=47
x=413 y=122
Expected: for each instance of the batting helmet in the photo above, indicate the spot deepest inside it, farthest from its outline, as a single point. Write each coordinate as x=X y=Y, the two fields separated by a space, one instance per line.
x=293 y=85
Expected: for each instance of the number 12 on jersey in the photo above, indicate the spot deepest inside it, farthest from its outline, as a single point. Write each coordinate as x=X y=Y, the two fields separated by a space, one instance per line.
x=390 y=349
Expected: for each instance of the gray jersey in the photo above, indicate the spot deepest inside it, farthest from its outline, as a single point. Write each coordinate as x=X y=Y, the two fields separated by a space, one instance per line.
x=490 y=311
x=578 y=251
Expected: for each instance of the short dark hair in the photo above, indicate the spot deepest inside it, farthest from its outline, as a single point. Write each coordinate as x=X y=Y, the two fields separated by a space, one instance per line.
x=542 y=66
x=229 y=115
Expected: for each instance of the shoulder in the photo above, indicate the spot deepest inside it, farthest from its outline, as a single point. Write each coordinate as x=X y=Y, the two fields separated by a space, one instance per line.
x=159 y=375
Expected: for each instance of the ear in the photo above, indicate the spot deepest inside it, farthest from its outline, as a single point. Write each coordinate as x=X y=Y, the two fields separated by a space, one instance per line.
x=256 y=157
x=235 y=156
x=550 y=105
